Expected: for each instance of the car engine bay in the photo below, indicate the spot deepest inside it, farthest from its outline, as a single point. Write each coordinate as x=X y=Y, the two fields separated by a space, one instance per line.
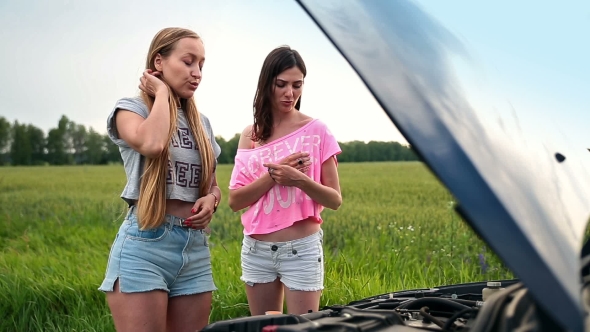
x=448 y=308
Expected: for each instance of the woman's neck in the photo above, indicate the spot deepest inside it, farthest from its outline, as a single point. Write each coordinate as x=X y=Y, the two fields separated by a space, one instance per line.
x=279 y=117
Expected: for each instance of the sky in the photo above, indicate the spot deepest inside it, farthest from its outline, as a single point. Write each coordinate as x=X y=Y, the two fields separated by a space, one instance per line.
x=76 y=58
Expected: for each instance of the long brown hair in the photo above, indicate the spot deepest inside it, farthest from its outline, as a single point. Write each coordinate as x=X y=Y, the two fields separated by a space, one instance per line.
x=151 y=206
x=277 y=61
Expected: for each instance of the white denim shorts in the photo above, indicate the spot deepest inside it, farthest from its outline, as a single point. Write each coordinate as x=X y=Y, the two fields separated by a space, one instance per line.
x=299 y=264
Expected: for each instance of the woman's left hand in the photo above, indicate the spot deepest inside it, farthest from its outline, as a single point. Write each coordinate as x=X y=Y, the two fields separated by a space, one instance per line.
x=203 y=212
x=286 y=175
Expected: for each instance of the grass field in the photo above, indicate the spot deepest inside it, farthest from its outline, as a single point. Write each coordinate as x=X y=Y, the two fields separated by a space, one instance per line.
x=395 y=230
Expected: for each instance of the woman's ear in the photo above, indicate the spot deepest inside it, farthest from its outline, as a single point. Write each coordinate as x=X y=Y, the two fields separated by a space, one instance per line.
x=158 y=62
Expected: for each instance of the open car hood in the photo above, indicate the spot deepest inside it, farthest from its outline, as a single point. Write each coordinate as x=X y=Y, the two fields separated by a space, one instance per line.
x=528 y=200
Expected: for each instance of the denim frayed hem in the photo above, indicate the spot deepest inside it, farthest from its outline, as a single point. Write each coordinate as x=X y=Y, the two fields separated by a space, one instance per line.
x=260 y=281
x=312 y=289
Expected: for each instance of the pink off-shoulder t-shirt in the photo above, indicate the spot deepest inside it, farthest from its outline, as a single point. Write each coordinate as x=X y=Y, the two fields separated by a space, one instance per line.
x=282 y=206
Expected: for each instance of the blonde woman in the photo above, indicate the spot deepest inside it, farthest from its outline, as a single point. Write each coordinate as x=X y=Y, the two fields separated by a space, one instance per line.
x=158 y=275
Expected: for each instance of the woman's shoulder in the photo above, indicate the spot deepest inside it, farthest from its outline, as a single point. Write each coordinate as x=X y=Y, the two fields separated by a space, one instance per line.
x=313 y=122
x=319 y=127
x=247 y=131
x=134 y=104
x=136 y=100
x=246 y=141
x=205 y=120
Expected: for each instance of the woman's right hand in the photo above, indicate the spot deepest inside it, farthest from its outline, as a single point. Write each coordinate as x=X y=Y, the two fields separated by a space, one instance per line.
x=298 y=160
x=151 y=83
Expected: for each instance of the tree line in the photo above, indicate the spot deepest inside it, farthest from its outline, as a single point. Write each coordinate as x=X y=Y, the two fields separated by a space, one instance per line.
x=74 y=144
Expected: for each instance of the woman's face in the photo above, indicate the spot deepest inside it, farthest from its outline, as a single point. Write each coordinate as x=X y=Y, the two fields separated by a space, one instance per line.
x=182 y=69
x=287 y=89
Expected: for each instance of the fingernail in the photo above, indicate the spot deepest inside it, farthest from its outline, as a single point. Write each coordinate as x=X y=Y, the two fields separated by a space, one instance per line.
x=193 y=211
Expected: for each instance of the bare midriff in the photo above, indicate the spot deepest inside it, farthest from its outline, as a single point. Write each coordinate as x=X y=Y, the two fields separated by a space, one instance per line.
x=178 y=208
x=298 y=230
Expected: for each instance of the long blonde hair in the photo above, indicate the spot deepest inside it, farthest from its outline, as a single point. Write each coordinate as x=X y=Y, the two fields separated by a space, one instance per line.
x=151 y=206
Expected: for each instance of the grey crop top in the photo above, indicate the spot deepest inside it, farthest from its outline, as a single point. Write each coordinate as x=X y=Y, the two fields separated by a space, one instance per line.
x=184 y=167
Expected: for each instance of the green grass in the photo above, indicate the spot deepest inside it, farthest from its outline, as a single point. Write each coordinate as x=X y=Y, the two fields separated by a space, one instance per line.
x=395 y=230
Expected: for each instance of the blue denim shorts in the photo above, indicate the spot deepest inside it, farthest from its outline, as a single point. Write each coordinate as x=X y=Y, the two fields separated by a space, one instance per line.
x=299 y=264
x=170 y=258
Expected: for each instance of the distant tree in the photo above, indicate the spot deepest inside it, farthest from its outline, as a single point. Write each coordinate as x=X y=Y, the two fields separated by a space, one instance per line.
x=20 y=150
x=354 y=151
x=222 y=144
x=112 y=154
x=72 y=143
x=59 y=144
x=228 y=149
x=36 y=138
x=5 y=137
x=78 y=136
x=95 y=148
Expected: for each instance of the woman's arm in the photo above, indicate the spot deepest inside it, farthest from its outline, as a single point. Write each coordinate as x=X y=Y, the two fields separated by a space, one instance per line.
x=204 y=207
x=247 y=195
x=326 y=193
x=147 y=136
x=215 y=190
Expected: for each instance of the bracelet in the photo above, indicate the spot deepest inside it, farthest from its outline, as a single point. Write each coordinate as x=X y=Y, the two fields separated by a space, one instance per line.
x=216 y=202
